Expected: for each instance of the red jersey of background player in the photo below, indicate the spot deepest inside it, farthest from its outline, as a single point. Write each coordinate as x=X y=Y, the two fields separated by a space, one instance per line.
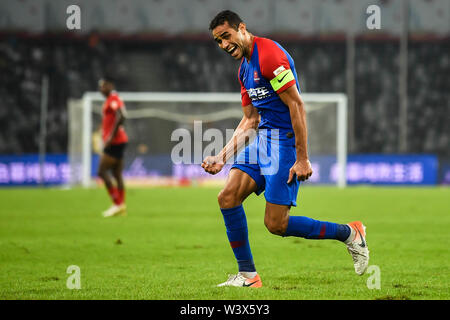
x=112 y=103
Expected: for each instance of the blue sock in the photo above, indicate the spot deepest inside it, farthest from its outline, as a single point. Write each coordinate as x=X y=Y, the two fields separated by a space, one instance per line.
x=314 y=229
x=237 y=232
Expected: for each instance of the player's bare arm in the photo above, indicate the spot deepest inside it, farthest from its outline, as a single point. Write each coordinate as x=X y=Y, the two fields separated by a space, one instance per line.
x=250 y=120
x=120 y=119
x=302 y=167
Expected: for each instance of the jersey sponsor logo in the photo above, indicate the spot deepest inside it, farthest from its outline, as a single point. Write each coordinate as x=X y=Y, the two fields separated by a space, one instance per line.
x=258 y=93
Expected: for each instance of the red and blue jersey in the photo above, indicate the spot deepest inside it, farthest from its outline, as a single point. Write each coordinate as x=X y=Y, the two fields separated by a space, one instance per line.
x=269 y=72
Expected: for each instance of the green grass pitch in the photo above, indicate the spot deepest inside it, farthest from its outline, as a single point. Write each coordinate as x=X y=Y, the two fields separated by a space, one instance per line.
x=173 y=245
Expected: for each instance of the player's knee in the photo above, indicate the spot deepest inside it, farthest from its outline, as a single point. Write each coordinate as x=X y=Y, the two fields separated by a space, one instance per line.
x=101 y=173
x=275 y=226
x=228 y=199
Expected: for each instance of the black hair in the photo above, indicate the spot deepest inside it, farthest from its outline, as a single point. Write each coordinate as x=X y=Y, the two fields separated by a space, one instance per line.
x=109 y=78
x=231 y=17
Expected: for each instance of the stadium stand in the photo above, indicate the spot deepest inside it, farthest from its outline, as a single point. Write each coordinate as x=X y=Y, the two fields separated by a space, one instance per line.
x=74 y=65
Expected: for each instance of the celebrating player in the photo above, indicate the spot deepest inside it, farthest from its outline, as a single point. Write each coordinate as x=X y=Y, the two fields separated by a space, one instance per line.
x=271 y=102
x=115 y=140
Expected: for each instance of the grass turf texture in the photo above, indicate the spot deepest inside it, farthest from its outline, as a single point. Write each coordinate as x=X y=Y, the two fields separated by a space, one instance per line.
x=173 y=245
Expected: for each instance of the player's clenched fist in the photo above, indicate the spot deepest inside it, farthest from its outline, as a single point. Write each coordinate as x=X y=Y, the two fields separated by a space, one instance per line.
x=212 y=164
x=302 y=169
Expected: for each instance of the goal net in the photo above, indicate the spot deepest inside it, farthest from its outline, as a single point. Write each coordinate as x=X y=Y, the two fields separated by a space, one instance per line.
x=169 y=133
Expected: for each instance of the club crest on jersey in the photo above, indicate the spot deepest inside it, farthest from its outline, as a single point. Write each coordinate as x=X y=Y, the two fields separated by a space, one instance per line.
x=256 y=76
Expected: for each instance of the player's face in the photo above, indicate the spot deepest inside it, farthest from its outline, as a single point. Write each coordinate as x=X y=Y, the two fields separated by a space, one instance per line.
x=104 y=87
x=231 y=40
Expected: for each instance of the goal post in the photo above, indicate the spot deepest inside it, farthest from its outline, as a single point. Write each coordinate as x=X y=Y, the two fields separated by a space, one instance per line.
x=326 y=113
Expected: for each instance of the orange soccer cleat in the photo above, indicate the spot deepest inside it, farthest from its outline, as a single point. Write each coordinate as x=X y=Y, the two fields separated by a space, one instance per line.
x=239 y=280
x=357 y=246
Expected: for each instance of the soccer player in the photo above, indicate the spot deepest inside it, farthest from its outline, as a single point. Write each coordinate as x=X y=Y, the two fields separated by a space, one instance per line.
x=115 y=140
x=272 y=103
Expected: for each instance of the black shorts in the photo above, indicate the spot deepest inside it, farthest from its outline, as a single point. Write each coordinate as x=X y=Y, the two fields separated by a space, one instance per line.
x=115 y=150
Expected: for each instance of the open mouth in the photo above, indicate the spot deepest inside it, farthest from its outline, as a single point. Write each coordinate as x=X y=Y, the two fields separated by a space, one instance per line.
x=232 y=50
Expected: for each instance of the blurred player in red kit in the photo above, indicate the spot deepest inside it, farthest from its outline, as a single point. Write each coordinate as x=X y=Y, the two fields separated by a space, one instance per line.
x=114 y=142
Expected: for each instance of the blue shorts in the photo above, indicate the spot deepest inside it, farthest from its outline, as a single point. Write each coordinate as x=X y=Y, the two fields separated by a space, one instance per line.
x=268 y=163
